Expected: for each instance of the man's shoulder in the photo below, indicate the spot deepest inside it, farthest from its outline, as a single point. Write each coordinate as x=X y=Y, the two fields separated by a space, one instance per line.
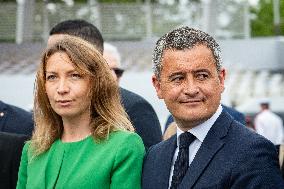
x=238 y=116
x=13 y=136
x=14 y=110
x=127 y=95
x=8 y=139
x=234 y=132
x=17 y=120
x=246 y=138
x=163 y=145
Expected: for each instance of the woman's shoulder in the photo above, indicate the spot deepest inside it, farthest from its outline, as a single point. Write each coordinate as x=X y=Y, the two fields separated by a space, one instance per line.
x=127 y=143
x=26 y=146
x=126 y=138
x=124 y=135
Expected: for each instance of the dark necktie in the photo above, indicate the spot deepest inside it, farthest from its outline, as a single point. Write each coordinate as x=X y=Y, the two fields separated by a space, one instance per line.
x=181 y=163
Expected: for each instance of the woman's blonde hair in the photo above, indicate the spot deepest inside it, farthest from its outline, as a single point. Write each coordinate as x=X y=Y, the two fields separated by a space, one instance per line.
x=107 y=113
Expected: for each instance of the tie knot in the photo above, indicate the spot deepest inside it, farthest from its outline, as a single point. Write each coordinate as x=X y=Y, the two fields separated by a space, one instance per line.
x=185 y=139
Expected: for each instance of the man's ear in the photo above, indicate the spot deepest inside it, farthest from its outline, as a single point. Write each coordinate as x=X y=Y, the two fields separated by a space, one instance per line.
x=222 y=76
x=156 y=83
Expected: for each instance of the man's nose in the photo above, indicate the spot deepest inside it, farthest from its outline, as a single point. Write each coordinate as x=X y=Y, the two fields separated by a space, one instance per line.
x=191 y=87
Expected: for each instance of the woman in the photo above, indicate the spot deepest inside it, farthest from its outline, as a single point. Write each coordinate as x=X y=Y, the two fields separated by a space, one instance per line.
x=82 y=137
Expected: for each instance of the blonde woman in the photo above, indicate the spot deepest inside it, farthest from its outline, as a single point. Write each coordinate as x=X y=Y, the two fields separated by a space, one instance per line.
x=82 y=137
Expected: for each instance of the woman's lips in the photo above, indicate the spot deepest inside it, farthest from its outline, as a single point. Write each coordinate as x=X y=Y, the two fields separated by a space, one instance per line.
x=64 y=102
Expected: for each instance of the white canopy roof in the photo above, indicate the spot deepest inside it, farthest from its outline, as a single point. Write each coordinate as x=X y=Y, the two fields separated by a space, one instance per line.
x=253 y=105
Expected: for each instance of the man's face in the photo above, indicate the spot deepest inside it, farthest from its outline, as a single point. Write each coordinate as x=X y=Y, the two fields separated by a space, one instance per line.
x=190 y=85
x=113 y=64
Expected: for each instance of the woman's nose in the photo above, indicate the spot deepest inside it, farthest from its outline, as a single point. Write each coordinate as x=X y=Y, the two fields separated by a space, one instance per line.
x=62 y=87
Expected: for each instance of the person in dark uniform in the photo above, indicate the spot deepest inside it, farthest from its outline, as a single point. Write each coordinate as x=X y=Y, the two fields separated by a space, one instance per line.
x=15 y=120
x=11 y=146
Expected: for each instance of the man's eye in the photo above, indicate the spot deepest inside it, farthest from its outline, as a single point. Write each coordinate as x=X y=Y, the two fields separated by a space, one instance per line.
x=50 y=77
x=177 y=79
x=202 y=76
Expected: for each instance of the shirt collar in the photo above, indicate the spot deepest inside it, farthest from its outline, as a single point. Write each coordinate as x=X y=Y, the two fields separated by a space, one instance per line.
x=200 y=131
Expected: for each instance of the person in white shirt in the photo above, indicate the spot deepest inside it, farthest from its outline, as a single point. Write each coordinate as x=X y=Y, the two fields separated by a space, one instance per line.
x=269 y=124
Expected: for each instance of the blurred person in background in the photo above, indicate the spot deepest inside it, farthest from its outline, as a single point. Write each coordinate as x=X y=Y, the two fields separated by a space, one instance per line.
x=280 y=150
x=82 y=137
x=113 y=58
x=249 y=122
x=11 y=146
x=210 y=149
x=15 y=120
x=141 y=113
x=170 y=131
x=269 y=124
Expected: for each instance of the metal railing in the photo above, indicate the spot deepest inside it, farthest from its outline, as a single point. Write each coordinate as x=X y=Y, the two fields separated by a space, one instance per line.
x=224 y=19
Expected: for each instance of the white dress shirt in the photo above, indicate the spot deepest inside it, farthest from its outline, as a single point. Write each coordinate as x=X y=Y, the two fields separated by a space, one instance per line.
x=200 y=132
x=270 y=125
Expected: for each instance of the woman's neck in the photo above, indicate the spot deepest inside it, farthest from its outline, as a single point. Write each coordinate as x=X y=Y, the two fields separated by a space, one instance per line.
x=76 y=129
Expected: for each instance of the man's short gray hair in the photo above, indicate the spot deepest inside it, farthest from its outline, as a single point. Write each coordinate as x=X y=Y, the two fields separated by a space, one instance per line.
x=184 y=38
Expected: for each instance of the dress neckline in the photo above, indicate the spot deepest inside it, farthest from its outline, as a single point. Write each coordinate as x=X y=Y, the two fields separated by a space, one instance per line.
x=76 y=142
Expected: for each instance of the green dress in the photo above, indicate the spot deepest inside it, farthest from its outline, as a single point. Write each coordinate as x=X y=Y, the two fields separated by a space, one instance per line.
x=115 y=163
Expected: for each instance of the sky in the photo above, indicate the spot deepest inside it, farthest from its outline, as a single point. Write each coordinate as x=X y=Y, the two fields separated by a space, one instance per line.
x=253 y=2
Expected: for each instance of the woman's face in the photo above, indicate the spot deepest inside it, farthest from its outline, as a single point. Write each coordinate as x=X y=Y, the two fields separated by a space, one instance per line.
x=66 y=88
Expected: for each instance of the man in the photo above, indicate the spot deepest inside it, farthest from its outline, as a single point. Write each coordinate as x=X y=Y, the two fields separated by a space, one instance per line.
x=11 y=146
x=269 y=124
x=113 y=58
x=140 y=112
x=15 y=120
x=211 y=149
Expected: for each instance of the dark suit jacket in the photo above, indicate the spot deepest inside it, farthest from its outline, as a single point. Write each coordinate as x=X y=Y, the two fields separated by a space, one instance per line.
x=143 y=117
x=15 y=120
x=238 y=116
x=231 y=156
x=11 y=146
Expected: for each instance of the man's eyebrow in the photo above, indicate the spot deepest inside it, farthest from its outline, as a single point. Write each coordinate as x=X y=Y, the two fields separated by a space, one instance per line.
x=175 y=74
x=200 y=70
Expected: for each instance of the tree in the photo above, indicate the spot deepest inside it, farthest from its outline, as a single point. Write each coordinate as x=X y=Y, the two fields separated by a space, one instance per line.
x=262 y=21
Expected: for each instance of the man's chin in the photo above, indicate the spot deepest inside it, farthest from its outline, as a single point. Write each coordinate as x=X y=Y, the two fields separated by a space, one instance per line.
x=190 y=121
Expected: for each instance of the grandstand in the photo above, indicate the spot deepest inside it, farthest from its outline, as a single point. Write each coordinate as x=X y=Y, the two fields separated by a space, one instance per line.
x=242 y=83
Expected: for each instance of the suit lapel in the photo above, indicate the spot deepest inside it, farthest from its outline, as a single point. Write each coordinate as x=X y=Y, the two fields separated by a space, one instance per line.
x=211 y=145
x=164 y=165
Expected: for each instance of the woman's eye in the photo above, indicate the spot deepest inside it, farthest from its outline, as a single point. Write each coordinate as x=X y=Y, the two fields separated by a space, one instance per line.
x=50 y=77
x=76 y=76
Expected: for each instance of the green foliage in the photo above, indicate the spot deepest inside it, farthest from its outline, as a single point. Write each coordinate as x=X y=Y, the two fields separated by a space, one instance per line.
x=262 y=22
